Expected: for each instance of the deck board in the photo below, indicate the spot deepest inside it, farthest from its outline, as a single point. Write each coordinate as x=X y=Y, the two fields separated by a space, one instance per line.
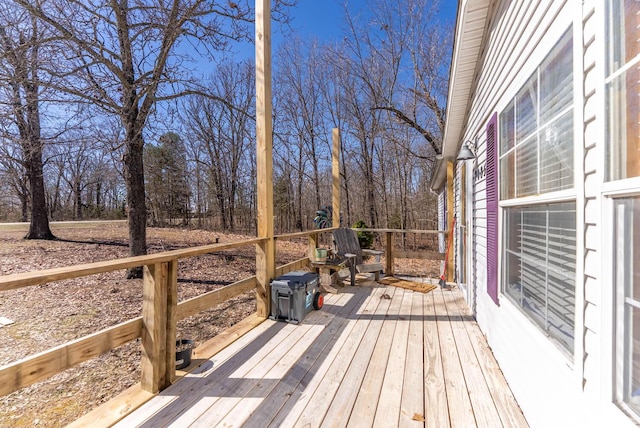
x=287 y=392
x=458 y=399
x=484 y=411
x=321 y=389
x=508 y=408
x=389 y=403
x=339 y=411
x=436 y=406
x=374 y=356
x=367 y=398
x=412 y=403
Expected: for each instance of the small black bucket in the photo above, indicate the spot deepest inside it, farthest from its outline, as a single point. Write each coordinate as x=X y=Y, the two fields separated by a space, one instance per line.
x=183 y=353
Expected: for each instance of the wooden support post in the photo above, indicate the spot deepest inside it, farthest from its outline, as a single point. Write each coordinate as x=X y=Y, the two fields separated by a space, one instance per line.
x=172 y=307
x=335 y=158
x=265 y=251
x=313 y=244
x=154 y=323
x=389 y=241
x=450 y=214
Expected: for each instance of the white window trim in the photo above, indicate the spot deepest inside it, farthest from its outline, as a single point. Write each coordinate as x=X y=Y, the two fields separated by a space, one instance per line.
x=568 y=195
x=576 y=193
x=621 y=188
x=613 y=299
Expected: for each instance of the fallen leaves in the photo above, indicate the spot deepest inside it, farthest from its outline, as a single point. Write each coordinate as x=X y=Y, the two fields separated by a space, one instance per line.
x=418 y=417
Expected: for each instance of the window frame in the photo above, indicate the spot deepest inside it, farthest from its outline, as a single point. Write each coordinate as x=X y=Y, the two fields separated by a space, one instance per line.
x=532 y=138
x=613 y=71
x=548 y=268
x=619 y=298
x=613 y=189
x=557 y=196
x=613 y=298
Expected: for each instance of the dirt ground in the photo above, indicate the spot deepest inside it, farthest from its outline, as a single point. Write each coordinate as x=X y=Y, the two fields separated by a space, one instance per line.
x=50 y=315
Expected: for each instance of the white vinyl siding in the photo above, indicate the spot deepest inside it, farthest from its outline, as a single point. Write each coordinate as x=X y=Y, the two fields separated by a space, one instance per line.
x=593 y=169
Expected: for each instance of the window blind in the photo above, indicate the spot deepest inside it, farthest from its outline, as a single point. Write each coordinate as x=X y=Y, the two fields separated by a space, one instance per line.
x=540 y=246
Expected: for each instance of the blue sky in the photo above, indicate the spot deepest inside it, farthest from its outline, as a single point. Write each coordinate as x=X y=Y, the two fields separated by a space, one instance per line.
x=323 y=19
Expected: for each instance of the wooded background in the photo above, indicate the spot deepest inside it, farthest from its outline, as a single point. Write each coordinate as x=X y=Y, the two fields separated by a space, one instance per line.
x=107 y=111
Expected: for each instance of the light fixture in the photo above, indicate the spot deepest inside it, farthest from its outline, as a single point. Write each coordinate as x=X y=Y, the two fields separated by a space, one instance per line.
x=467 y=151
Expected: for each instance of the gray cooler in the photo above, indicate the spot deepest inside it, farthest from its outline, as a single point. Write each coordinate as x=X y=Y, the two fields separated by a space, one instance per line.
x=294 y=295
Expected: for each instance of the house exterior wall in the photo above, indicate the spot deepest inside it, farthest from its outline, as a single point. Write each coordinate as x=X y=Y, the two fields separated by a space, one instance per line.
x=552 y=387
x=442 y=221
x=457 y=206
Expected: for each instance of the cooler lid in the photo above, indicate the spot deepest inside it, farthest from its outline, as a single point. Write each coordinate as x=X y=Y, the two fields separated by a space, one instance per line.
x=295 y=279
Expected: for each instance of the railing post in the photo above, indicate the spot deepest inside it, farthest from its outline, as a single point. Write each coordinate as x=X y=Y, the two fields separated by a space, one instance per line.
x=154 y=327
x=313 y=244
x=172 y=307
x=265 y=251
x=388 y=271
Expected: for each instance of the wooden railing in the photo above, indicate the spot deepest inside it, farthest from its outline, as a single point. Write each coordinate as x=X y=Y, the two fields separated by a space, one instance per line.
x=157 y=326
x=391 y=253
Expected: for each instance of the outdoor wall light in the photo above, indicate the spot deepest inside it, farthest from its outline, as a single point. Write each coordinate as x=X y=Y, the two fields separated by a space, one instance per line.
x=467 y=151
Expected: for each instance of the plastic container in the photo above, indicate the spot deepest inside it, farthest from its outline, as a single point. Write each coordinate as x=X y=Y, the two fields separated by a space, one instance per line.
x=183 y=357
x=321 y=254
x=294 y=295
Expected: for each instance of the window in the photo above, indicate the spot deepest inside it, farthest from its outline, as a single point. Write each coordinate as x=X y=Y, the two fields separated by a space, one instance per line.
x=536 y=159
x=540 y=264
x=536 y=129
x=627 y=281
x=623 y=96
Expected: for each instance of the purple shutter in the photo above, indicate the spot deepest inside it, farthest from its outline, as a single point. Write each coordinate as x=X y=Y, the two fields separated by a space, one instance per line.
x=492 y=208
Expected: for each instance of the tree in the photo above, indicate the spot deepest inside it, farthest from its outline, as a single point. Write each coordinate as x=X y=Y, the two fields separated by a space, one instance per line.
x=395 y=57
x=222 y=129
x=166 y=175
x=411 y=35
x=301 y=111
x=14 y=176
x=22 y=59
x=127 y=56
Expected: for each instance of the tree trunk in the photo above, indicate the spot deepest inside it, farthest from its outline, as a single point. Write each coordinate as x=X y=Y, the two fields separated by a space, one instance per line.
x=98 y=199
x=77 y=190
x=39 y=227
x=137 y=213
x=24 y=202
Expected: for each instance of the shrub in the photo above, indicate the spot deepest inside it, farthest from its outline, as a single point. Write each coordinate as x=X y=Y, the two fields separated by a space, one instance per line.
x=365 y=239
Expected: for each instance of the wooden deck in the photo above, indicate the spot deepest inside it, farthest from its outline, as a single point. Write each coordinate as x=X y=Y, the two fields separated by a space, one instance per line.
x=373 y=356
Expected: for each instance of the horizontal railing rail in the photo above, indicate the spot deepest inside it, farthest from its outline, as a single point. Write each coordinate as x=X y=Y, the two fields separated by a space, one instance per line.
x=391 y=253
x=19 y=280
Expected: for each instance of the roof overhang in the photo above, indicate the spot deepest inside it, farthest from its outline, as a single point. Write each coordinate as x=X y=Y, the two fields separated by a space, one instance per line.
x=471 y=25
